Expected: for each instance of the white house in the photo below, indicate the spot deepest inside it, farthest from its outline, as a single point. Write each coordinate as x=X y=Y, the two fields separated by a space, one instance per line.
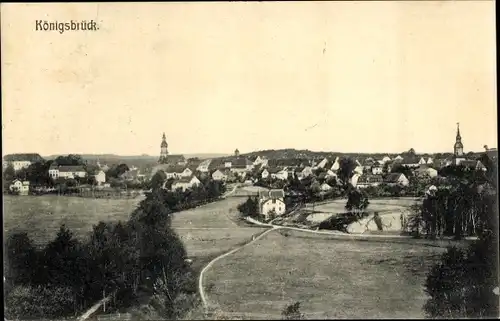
x=377 y=170
x=325 y=187
x=369 y=180
x=66 y=171
x=178 y=172
x=274 y=201
x=100 y=177
x=336 y=165
x=422 y=161
x=430 y=161
x=425 y=171
x=22 y=187
x=385 y=159
x=282 y=174
x=397 y=179
x=358 y=169
x=185 y=183
x=354 y=179
x=227 y=164
x=203 y=166
x=258 y=160
x=330 y=173
x=19 y=161
x=305 y=172
x=265 y=173
x=322 y=163
x=398 y=157
x=218 y=175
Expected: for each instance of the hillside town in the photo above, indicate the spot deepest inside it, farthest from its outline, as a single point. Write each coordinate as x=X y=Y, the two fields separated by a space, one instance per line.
x=407 y=173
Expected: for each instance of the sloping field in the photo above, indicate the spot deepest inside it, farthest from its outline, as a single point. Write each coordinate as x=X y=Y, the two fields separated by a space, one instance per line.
x=332 y=278
x=204 y=230
x=211 y=229
x=41 y=216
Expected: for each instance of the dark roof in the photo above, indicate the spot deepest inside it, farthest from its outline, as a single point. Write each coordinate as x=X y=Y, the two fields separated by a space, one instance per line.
x=273 y=170
x=175 y=169
x=184 y=179
x=30 y=157
x=288 y=162
x=370 y=179
x=392 y=177
x=216 y=164
x=240 y=161
x=276 y=193
x=410 y=160
x=71 y=168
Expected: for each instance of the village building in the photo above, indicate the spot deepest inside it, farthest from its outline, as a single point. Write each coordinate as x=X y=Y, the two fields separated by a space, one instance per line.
x=67 y=171
x=425 y=171
x=20 y=161
x=305 y=172
x=396 y=179
x=185 y=183
x=367 y=180
x=272 y=202
x=100 y=177
x=203 y=166
x=219 y=175
x=21 y=187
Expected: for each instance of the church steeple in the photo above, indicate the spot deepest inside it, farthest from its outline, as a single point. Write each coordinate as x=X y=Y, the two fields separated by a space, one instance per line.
x=458 y=149
x=164 y=150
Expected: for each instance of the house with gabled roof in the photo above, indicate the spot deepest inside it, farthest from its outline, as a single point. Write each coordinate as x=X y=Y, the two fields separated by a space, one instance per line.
x=21 y=187
x=185 y=182
x=204 y=165
x=219 y=175
x=396 y=179
x=178 y=171
x=425 y=171
x=367 y=180
x=473 y=165
x=66 y=171
x=272 y=202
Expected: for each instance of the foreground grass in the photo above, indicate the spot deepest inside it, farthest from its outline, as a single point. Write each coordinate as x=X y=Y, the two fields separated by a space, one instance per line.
x=41 y=216
x=332 y=278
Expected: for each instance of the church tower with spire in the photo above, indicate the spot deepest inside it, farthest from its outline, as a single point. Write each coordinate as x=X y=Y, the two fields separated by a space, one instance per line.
x=458 y=149
x=164 y=150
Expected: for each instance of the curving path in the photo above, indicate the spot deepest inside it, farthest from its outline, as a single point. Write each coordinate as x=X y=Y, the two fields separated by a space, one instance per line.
x=202 y=273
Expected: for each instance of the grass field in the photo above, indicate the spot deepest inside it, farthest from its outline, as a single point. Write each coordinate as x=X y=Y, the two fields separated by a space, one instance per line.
x=331 y=278
x=206 y=230
x=41 y=216
x=338 y=206
x=213 y=228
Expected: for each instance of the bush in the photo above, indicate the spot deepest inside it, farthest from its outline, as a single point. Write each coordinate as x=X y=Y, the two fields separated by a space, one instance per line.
x=39 y=302
x=292 y=312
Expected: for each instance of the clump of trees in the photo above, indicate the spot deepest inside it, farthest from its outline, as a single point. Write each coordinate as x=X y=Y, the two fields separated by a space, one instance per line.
x=249 y=208
x=124 y=260
x=462 y=285
x=357 y=201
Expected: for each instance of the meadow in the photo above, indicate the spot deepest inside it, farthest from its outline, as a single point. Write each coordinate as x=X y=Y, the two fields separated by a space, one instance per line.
x=41 y=216
x=206 y=230
x=330 y=277
x=213 y=228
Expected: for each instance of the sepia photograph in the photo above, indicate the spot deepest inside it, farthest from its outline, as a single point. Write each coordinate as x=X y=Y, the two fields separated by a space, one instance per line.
x=249 y=160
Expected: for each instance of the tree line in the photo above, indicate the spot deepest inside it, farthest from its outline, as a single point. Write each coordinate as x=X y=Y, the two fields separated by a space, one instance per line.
x=142 y=257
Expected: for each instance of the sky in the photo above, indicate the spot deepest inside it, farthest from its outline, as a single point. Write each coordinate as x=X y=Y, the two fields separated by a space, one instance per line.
x=324 y=76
